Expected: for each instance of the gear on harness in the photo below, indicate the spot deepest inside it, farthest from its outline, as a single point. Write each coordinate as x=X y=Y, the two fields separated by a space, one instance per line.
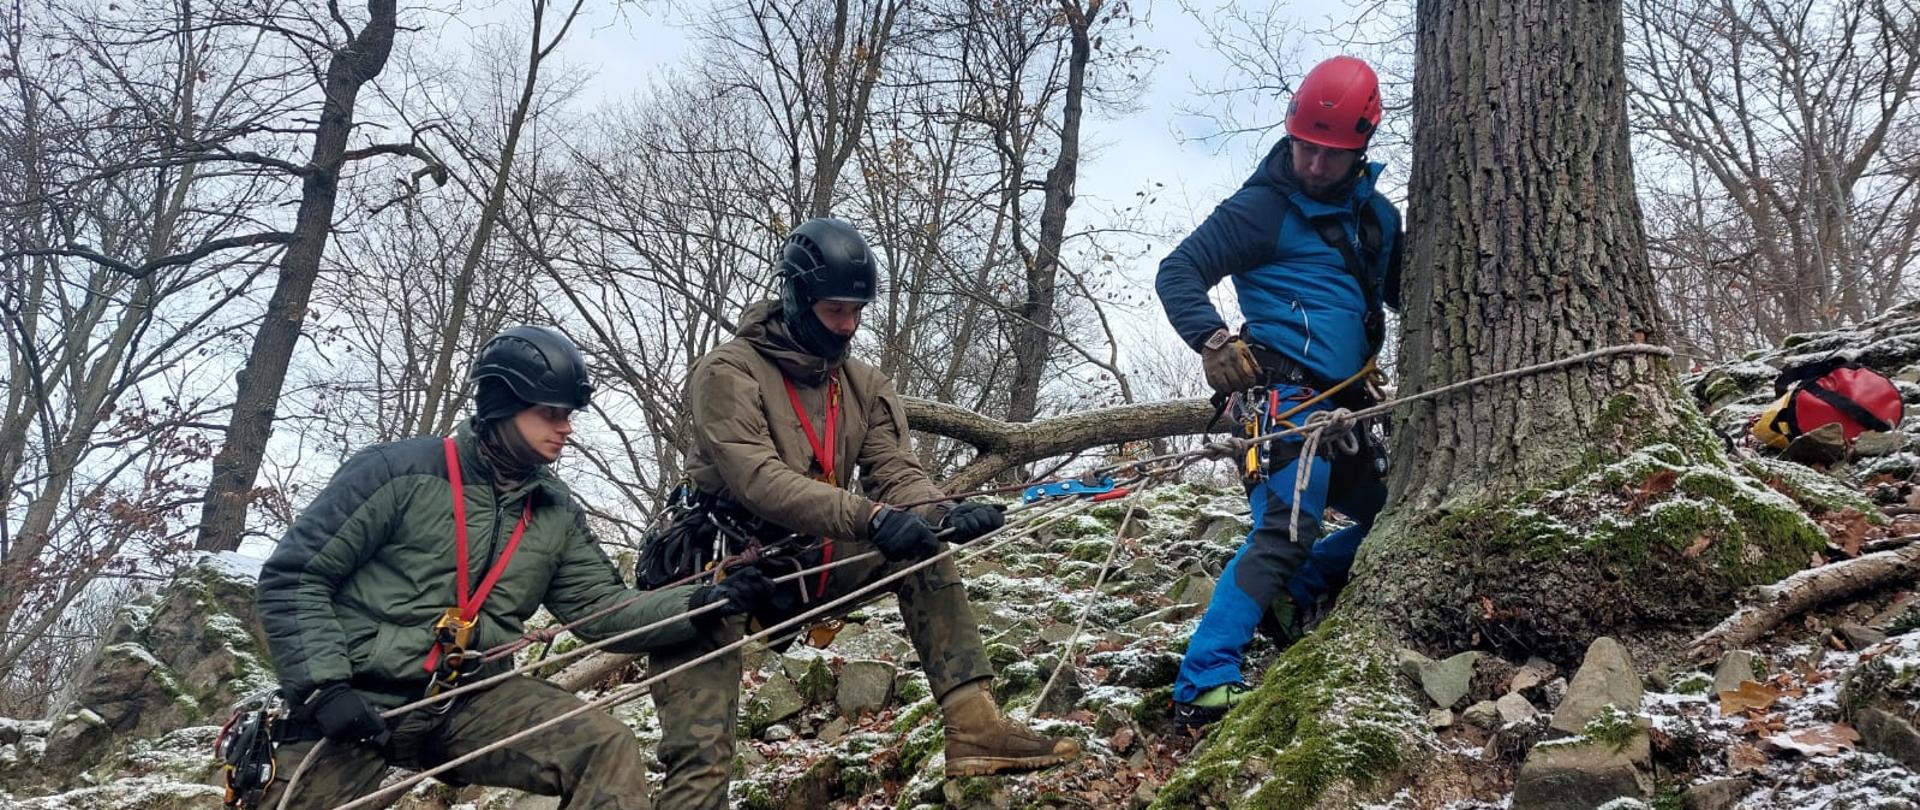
x=453 y=636
x=245 y=748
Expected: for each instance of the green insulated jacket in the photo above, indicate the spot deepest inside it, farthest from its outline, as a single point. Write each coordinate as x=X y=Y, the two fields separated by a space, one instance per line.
x=355 y=587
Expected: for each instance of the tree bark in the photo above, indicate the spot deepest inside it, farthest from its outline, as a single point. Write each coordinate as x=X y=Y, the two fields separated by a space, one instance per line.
x=256 y=398
x=1002 y=446
x=1033 y=334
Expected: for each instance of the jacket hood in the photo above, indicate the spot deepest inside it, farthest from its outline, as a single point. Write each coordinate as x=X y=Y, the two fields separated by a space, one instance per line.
x=764 y=328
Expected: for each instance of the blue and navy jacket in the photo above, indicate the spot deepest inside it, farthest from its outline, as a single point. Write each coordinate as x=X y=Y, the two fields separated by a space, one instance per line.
x=1294 y=288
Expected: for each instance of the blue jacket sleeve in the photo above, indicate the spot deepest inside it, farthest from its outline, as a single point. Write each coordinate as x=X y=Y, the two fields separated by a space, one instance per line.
x=1239 y=235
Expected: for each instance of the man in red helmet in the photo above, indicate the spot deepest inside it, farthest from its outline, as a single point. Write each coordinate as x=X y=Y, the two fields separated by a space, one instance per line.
x=1314 y=253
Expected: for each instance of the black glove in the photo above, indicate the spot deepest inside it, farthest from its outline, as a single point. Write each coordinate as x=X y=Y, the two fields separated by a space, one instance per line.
x=902 y=537
x=745 y=590
x=970 y=520
x=344 y=715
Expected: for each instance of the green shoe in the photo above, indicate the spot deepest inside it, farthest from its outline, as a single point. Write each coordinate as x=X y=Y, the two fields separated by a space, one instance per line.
x=1209 y=707
x=1282 y=623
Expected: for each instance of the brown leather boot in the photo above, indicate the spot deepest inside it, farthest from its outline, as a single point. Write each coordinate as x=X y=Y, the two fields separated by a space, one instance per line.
x=981 y=741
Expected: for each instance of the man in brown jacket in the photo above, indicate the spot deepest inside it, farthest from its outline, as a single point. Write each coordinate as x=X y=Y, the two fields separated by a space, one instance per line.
x=782 y=420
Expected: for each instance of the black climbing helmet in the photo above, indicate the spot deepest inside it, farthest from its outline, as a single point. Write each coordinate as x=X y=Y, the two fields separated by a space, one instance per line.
x=540 y=365
x=825 y=260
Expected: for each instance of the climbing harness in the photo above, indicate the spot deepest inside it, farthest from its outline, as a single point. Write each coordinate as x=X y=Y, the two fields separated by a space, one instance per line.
x=449 y=660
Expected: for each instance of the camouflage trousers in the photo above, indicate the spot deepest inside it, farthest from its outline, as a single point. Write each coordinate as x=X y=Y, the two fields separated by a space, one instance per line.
x=699 y=708
x=591 y=761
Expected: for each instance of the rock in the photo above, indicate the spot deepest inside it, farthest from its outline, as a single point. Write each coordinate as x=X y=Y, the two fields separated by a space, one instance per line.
x=1137 y=668
x=1715 y=794
x=1056 y=633
x=1884 y=733
x=1223 y=532
x=1068 y=689
x=9 y=731
x=1605 y=678
x=832 y=730
x=864 y=686
x=1484 y=714
x=815 y=682
x=1577 y=776
x=1411 y=662
x=816 y=788
x=528 y=801
x=1875 y=443
x=1736 y=666
x=1823 y=445
x=1513 y=708
x=1440 y=718
x=777 y=732
x=1860 y=637
x=1554 y=693
x=1171 y=614
x=975 y=793
x=1531 y=675
x=1447 y=682
x=1194 y=588
x=878 y=643
x=774 y=701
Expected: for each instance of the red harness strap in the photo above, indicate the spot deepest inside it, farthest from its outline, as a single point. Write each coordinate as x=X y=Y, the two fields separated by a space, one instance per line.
x=469 y=604
x=823 y=452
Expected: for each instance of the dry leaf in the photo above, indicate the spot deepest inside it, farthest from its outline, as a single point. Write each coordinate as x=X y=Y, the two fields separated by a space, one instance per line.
x=1760 y=724
x=1745 y=758
x=1750 y=695
x=1122 y=739
x=1817 y=741
x=1847 y=531
x=1660 y=483
x=1698 y=545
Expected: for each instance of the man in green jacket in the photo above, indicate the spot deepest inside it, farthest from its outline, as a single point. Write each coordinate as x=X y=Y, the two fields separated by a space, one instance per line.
x=782 y=419
x=423 y=552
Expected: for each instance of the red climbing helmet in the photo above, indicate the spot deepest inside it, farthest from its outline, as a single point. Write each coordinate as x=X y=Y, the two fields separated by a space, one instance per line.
x=1336 y=105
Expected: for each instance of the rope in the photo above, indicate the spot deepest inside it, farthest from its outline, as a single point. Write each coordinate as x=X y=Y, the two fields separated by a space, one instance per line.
x=1154 y=466
x=1050 y=516
x=1066 y=658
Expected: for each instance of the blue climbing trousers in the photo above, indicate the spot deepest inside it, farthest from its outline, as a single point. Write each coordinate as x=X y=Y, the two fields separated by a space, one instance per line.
x=1310 y=569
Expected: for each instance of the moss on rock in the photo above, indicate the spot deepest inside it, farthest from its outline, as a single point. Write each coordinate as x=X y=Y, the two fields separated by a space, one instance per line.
x=1329 y=713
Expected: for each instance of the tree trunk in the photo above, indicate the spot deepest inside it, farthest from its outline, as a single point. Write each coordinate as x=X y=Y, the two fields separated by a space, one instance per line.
x=1529 y=516
x=442 y=401
x=1033 y=342
x=256 y=398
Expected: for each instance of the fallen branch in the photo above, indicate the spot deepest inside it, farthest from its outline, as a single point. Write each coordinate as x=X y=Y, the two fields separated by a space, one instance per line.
x=1888 y=543
x=1003 y=446
x=1796 y=594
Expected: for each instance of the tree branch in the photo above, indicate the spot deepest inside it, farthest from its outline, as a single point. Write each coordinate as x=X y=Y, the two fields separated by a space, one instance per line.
x=141 y=271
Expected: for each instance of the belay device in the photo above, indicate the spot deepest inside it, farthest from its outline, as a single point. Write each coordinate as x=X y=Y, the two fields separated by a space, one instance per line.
x=245 y=748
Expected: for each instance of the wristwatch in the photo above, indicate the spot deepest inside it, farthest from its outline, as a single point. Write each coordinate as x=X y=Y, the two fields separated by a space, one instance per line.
x=1218 y=339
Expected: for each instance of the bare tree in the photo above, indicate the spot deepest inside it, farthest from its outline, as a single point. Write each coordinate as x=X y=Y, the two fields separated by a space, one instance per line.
x=352 y=62
x=1783 y=130
x=441 y=403
x=130 y=236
